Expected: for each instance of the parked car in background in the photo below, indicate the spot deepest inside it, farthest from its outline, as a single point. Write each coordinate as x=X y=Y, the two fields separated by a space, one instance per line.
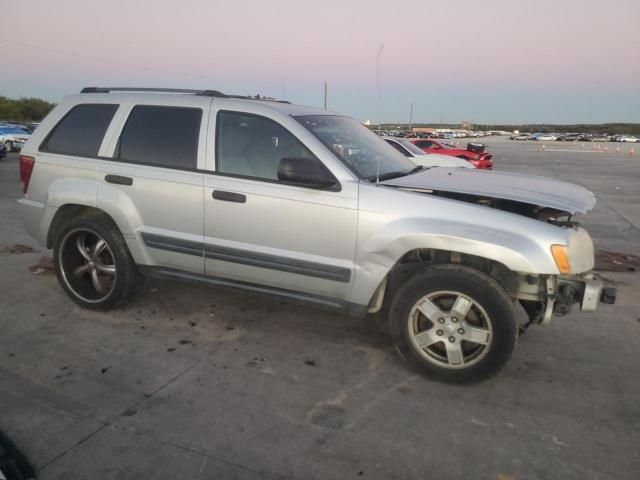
x=599 y=137
x=13 y=137
x=420 y=157
x=478 y=157
x=30 y=127
x=628 y=138
x=569 y=137
x=3 y=151
x=543 y=137
x=521 y=136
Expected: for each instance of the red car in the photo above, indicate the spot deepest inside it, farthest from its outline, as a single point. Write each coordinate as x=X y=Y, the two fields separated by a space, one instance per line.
x=478 y=157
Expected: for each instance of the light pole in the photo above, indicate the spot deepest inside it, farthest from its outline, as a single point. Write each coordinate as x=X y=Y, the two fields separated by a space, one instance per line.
x=378 y=84
x=411 y=118
x=325 y=95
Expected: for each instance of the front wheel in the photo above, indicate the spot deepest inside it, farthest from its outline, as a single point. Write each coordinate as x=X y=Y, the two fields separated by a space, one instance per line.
x=454 y=323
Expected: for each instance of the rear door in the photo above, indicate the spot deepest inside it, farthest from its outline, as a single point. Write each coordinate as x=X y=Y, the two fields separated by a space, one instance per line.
x=152 y=177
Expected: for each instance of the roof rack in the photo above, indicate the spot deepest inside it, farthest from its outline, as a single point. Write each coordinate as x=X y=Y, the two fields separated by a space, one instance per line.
x=207 y=93
x=203 y=93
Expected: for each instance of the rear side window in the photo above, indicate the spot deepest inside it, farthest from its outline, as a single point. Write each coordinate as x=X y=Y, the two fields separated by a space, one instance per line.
x=80 y=132
x=161 y=136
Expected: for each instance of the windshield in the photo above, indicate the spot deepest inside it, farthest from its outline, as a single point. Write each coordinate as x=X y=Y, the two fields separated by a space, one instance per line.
x=359 y=148
x=411 y=147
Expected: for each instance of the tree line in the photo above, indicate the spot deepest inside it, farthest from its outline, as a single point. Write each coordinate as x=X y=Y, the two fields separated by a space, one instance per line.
x=24 y=109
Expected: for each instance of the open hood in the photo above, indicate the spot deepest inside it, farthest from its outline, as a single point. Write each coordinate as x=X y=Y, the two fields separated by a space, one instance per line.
x=533 y=190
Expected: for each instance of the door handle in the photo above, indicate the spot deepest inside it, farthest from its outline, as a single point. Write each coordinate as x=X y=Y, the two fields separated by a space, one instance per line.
x=119 y=179
x=229 y=196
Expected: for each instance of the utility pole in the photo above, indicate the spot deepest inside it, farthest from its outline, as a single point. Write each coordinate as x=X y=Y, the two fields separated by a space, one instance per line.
x=325 y=95
x=284 y=89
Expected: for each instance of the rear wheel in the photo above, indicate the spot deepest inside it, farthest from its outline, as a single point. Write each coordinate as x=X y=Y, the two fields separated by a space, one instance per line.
x=93 y=264
x=454 y=323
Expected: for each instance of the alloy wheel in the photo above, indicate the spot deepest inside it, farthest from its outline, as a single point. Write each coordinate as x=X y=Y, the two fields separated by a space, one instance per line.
x=87 y=265
x=450 y=329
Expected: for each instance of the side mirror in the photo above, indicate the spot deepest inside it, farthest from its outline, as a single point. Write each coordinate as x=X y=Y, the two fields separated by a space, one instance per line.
x=306 y=172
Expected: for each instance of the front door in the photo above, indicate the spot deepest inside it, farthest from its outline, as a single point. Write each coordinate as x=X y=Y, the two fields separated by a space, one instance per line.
x=261 y=231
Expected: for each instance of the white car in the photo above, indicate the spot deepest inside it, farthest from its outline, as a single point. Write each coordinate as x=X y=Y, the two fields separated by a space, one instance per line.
x=13 y=137
x=546 y=138
x=628 y=138
x=420 y=157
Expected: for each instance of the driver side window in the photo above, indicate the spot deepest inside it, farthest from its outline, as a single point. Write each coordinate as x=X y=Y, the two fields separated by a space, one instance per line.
x=252 y=146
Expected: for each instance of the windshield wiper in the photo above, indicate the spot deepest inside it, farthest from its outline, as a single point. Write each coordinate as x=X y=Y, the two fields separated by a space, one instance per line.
x=417 y=169
x=390 y=175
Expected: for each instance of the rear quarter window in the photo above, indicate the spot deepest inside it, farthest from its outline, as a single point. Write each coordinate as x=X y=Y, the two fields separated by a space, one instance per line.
x=81 y=130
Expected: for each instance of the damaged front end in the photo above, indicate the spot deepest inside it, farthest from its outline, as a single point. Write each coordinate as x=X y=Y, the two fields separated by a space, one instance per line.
x=543 y=296
x=542 y=199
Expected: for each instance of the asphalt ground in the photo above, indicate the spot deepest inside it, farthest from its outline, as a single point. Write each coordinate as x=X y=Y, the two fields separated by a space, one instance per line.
x=200 y=382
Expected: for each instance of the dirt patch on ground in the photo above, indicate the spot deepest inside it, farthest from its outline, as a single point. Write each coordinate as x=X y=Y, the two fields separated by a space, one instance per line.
x=17 y=249
x=616 y=262
x=44 y=266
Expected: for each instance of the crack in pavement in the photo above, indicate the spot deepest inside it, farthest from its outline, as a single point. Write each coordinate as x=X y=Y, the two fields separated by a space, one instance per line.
x=105 y=424
x=564 y=170
x=631 y=224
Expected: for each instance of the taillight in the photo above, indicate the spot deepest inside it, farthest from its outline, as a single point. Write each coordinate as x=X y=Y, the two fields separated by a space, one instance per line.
x=26 y=167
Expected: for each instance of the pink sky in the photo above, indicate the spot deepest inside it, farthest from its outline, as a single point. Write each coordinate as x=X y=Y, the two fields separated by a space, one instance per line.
x=487 y=60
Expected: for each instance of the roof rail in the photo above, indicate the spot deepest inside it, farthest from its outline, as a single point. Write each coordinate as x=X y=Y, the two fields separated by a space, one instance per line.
x=204 y=93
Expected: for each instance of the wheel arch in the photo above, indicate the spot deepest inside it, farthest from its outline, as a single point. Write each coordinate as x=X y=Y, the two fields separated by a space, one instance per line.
x=68 y=212
x=417 y=259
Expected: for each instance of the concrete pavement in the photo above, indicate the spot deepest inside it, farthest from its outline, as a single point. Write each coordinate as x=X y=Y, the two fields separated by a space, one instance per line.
x=199 y=382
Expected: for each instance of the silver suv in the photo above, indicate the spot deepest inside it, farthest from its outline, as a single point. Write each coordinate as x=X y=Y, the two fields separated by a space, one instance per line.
x=306 y=204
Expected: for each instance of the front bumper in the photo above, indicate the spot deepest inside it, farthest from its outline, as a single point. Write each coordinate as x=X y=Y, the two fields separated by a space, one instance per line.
x=557 y=294
x=588 y=290
x=595 y=293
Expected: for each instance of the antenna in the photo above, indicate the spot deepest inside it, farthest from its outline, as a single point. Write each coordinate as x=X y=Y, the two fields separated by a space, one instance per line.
x=378 y=106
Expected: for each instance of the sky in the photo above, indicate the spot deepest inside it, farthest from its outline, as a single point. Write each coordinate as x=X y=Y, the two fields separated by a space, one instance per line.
x=489 y=61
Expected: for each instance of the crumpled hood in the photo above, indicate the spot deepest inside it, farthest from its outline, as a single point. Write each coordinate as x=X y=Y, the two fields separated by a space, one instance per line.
x=545 y=192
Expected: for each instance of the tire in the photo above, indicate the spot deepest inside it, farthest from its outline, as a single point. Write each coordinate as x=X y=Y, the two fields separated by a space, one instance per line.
x=90 y=252
x=464 y=348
